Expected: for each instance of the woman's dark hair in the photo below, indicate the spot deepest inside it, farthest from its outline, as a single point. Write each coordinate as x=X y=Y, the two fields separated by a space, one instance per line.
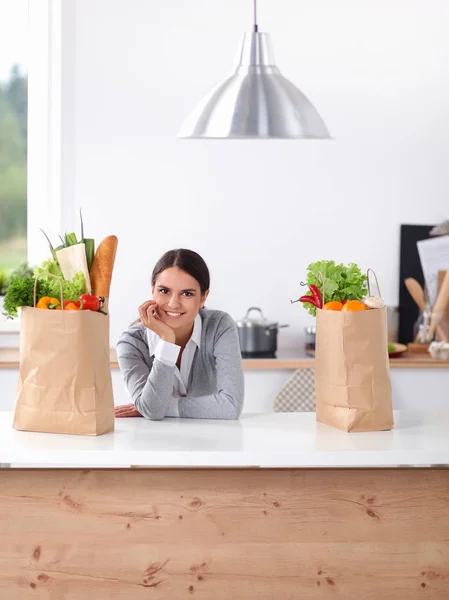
x=187 y=260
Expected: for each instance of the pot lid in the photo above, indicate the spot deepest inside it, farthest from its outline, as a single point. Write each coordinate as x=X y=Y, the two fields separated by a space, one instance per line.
x=255 y=321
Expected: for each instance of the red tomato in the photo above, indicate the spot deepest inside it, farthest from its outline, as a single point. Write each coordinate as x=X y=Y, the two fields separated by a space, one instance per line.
x=71 y=306
x=90 y=302
x=77 y=303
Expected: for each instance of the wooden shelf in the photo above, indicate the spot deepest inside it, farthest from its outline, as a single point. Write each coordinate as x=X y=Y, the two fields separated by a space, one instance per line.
x=9 y=359
x=289 y=360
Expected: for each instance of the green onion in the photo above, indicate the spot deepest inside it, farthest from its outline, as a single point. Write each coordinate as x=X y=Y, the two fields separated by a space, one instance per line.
x=82 y=226
x=89 y=244
x=70 y=239
x=90 y=251
x=53 y=252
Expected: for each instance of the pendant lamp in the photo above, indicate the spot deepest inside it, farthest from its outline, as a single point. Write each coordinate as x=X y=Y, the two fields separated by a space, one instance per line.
x=256 y=101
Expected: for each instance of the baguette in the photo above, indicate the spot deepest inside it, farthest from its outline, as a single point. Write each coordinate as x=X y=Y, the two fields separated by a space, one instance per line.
x=103 y=266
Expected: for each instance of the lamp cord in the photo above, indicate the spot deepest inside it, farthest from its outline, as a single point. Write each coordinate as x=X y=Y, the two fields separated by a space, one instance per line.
x=255 y=16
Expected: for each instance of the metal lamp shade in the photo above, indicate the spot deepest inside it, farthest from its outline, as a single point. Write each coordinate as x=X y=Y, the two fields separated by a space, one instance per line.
x=255 y=102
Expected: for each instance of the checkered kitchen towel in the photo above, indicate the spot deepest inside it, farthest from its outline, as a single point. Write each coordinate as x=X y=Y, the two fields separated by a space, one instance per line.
x=298 y=393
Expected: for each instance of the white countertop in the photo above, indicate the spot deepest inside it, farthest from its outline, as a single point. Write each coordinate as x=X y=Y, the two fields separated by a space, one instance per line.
x=295 y=440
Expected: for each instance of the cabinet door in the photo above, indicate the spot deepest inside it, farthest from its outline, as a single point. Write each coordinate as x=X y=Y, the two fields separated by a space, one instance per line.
x=8 y=385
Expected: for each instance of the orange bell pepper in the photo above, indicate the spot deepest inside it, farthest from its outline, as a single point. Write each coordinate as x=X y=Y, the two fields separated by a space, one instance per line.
x=48 y=303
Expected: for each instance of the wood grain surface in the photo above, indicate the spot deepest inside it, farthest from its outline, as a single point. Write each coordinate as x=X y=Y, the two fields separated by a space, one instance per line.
x=224 y=534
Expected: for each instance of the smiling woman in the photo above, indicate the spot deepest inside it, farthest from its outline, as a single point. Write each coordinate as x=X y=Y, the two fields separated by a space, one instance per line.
x=181 y=359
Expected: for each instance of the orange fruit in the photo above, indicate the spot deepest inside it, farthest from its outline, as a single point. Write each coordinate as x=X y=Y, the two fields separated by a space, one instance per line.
x=354 y=306
x=333 y=305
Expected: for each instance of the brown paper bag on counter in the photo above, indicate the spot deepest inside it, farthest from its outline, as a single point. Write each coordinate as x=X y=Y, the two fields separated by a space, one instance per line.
x=352 y=370
x=65 y=381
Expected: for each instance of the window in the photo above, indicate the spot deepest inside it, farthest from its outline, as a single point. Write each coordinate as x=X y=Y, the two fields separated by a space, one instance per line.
x=31 y=34
x=13 y=132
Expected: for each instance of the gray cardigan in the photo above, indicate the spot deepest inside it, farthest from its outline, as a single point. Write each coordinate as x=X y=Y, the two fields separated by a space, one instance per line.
x=216 y=385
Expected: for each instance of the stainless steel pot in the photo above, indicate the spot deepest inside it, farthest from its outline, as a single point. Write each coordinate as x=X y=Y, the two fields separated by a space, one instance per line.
x=257 y=336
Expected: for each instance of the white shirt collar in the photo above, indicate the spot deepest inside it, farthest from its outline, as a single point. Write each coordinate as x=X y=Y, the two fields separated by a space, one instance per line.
x=153 y=338
x=197 y=328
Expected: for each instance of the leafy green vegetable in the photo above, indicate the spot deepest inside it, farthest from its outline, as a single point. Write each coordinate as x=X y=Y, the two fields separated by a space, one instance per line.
x=89 y=244
x=48 y=266
x=20 y=293
x=340 y=282
x=69 y=239
x=90 y=251
x=52 y=249
x=72 y=290
x=21 y=288
x=391 y=347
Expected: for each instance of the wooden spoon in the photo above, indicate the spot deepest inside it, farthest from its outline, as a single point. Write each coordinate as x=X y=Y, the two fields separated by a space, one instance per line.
x=440 y=305
x=416 y=292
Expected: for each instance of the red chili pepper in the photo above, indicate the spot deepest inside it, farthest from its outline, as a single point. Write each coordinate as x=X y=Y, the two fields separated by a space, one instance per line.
x=310 y=299
x=316 y=296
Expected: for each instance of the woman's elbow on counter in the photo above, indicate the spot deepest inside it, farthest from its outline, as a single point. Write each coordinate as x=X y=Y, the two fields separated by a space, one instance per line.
x=155 y=416
x=148 y=413
x=232 y=417
x=234 y=409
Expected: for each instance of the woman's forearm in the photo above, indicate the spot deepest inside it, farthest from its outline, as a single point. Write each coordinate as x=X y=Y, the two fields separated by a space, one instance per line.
x=153 y=401
x=222 y=405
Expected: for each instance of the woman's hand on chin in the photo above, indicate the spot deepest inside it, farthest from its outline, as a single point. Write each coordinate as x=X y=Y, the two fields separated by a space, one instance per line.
x=126 y=410
x=150 y=318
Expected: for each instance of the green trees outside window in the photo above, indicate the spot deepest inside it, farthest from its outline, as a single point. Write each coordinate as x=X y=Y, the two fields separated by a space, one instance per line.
x=13 y=169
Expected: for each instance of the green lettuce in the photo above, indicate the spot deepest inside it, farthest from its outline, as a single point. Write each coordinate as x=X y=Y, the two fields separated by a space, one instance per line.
x=341 y=282
x=72 y=290
x=48 y=266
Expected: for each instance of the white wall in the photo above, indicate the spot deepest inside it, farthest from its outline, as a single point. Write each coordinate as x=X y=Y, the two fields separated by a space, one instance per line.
x=258 y=211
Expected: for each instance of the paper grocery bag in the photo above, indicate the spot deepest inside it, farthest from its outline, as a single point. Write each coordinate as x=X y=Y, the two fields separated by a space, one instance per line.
x=352 y=370
x=65 y=381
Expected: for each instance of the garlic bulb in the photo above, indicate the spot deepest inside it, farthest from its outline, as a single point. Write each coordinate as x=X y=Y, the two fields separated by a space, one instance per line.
x=374 y=302
x=439 y=350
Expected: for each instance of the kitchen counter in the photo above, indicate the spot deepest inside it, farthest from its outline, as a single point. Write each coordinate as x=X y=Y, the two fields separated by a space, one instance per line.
x=285 y=359
x=271 y=506
x=280 y=440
